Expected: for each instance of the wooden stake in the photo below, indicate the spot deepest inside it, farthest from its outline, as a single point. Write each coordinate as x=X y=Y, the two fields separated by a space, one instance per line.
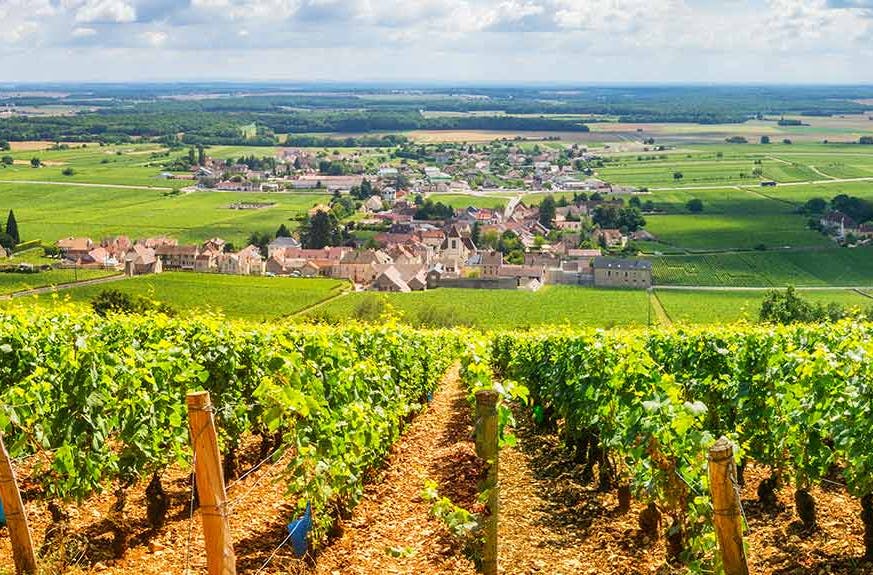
x=726 y=507
x=220 y=558
x=486 y=448
x=16 y=517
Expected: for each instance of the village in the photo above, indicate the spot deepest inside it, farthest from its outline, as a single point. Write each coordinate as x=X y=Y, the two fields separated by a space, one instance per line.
x=473 y=248
x=417 y=169
x=389 y=233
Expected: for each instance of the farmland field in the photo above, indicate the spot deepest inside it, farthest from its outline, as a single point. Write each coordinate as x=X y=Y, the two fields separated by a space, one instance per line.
x=711 y=307
x=252 y=298
x=833 y=266
x=14 y=282
x=53 y=212
x=491 y=309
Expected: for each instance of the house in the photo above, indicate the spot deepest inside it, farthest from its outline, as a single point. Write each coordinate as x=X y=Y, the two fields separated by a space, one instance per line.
x=100 y=256
x=206 y=261
x=610 y=238
x=622 y=273
x=390 y=280
x=279 y=245
x=838 y=223
x=241 y=186
x=389 y=194
x=214 y=245
x=491 y=262
x=524 y=274
x=177 y=257
x=360 y=267
x=157 y=241
x=141 y=260
x=75 y=249
x=433 y=238
x=247 y=261
x=117 y=246
x=373 y=204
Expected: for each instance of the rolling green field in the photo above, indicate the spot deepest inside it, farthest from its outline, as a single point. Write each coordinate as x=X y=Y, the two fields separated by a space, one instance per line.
x=702 y=307
x=494 y=309
x=50 y=213
x=252 y=298
x=14 y=282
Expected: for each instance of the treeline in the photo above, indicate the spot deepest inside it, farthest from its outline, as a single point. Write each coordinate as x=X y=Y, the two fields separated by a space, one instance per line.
x=386 y=141
x=202 y=128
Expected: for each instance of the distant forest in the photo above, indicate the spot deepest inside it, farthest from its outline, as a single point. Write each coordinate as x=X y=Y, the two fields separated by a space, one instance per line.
x=216 y=113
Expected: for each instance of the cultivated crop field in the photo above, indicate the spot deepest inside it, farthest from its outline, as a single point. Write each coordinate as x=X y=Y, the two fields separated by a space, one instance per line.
x=50 y=212
x=833 y=266
x=15 y=282
x=252 y=298
x=495 y=309
x=714 y=307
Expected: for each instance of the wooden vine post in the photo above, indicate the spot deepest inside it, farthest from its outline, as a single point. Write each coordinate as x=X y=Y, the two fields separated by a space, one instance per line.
x=220 y=558
x=727 y=515
x=486 y=448
x=16 y=517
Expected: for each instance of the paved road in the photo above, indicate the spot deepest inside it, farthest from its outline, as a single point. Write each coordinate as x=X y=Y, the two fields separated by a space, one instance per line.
x=60 y=287
x=84 y=185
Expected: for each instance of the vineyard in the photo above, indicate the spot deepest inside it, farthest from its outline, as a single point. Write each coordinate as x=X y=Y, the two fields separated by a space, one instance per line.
x=99 y=404
x=95 y=408
x=641 y=411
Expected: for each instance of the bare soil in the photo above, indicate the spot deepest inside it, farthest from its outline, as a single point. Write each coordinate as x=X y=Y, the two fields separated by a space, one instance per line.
x=553 y=523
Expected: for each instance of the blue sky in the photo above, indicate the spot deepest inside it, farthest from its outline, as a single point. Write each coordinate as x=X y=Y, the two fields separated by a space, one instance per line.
x=478 y=41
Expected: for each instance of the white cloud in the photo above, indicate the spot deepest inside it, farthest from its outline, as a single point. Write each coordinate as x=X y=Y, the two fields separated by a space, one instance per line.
x=118 y=11
x=576 y=40
x=83 y=32
x=155 y=38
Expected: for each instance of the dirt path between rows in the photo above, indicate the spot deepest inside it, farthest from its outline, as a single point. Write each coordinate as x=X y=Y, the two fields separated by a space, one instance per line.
x=552 y=524
x=391 y=531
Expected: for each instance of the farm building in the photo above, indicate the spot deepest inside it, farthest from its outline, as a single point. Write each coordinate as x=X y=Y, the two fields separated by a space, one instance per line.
x=614 y=272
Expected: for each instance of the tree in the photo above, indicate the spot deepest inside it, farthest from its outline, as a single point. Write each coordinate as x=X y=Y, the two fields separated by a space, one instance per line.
x=476 y=233
x=201 y=155
x=4 y=146
x=765 y=139
x=678 y=176
x=283 y=232
x=7 y=242
x=815 y=206
x=547 y=211
x=297 y=164
x=260 y=240
x=788 y=307
x=695 y=205
x=192 y=156
x=866 y=140
x=786 y=141
x=7 y=160
x=12 y=227
x=321 y=230
x=35 y=162
x=68 y=171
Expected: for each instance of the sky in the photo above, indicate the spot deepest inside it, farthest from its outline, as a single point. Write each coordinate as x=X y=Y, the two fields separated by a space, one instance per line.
x=440 y=41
